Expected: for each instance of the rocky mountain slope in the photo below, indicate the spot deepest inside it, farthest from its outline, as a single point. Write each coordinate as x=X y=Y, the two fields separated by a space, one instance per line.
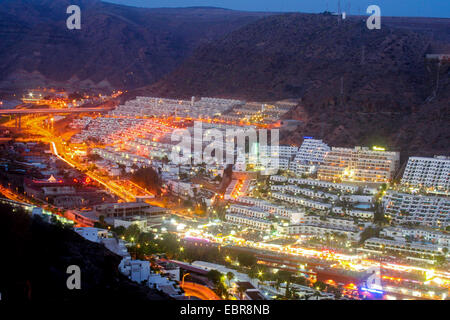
x=117 y=47
x=357 y=86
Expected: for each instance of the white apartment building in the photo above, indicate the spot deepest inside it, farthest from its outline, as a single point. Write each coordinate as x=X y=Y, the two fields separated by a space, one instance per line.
x=140 y=223
x=335 y=222
x=274 y=209
x=405 y=208
x=417 y=234
x=166 y=285
x=304 y=191
x=275 y=157
x=93 y=234
x=185 y=189
x=309 y=157
x=278 y=178
x=301 y=201
x=312 y=151
x=120 y=157
x=362 y=214
x=428 y=172
x=272 y=164
x=324 y=184
x=302 y=168
x=150 y=148
x=278 y=151
x=205 y=108
x=127 y=209
x=248 y=211
x=359 y=164
x=355 y=198
x=404 y=247
x=135 y=270
x=232 y=190
x=323 y=229
x=294 y=199
x=254 y=223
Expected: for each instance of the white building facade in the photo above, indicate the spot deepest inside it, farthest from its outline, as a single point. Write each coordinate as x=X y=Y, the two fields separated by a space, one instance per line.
x=428 y=172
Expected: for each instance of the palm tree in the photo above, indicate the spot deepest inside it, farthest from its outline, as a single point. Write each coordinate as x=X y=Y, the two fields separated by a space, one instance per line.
x=230 y=276
x=294 y=293
x=316 y=294
x=277 y=284
x=288 y=293
x=241 y=291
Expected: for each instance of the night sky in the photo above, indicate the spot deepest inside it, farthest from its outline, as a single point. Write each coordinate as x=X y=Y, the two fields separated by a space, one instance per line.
x=423 y=8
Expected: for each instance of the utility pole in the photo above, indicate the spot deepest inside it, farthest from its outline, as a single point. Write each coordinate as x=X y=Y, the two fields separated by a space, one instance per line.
x=339 y=12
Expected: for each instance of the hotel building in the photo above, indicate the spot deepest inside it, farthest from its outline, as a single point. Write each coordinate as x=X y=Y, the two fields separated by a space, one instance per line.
x=381 y=245
x=309 y=156
x=272 y=208
x=254 y=223
x=314 y=225
x=428 y=172
x=405 y=208
x=417 y=234
x=359 y=164
x=248 y=211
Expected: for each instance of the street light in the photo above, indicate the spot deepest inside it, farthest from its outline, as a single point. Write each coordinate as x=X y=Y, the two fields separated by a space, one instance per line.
x=182 y=282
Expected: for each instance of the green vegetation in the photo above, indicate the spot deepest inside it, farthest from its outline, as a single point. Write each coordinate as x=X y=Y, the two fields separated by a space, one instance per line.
x=369 y=233
x=148 y=178
x=92 y=157
x=219 y=282
x=246 y=259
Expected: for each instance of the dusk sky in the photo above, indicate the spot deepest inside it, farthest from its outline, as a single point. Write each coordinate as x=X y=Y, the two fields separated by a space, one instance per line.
x=428 y=8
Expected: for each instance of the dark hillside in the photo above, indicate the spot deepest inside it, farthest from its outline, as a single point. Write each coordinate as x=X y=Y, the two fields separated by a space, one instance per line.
x=35 y=257
x=117 y=47
x=357 y=86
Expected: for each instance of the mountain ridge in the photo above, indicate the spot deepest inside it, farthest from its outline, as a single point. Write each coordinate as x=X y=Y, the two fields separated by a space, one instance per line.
x=357 y=86
x=118 y=47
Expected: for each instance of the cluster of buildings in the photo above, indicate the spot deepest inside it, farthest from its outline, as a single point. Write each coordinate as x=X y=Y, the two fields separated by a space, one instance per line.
x=320 y=189
x=165 y=281
x=255 y=113
x=309 y=157
x=314 y=157
x=359 y=164
x=432 y=173
x=417 y=209
x=306 y=207
x=318 y=226
x=203 y=108
x=111 y=130
x=32 y=170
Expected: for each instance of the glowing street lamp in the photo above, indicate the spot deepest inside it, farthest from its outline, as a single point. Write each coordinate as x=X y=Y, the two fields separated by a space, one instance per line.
x=184 y=276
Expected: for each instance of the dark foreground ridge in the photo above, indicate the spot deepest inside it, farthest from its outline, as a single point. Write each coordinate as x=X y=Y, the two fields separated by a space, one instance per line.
x=37 y=255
